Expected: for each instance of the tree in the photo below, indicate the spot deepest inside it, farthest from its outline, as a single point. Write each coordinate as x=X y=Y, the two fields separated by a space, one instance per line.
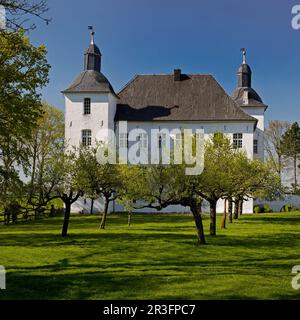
x=98 y=180
x=291 y=149
x=273 y=143
x=214 y=182
x=46 y=141
x=19 y=12
x=23 y=72
x=62 y=174
x=251 y=179
x=159 y=186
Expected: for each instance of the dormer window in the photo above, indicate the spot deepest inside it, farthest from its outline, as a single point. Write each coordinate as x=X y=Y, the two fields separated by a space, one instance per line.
x=87 y=106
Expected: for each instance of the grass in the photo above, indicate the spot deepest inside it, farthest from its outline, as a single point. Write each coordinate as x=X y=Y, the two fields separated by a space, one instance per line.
x=154 y=259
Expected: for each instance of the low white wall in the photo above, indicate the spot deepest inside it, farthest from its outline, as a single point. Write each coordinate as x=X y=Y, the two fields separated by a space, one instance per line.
x=278 y=204
x=85 y=205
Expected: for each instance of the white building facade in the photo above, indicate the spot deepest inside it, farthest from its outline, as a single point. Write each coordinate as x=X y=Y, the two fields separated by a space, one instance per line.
x=170 y=102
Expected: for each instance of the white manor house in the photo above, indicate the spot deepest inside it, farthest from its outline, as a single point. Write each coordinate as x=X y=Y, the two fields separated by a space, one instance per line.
x=178 y=100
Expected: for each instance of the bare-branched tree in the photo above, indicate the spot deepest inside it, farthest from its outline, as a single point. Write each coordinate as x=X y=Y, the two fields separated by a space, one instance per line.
x=19 y=13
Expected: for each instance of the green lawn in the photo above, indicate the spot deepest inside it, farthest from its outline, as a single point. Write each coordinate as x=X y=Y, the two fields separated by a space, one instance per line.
x=155 y=259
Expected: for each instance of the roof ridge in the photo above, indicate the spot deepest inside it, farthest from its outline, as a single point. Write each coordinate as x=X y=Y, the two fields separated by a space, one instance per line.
x=239 y=109
x=128 y=83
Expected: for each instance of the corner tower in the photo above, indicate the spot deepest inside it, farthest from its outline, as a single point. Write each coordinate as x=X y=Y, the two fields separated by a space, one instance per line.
x=250 y=102
x=90 y=102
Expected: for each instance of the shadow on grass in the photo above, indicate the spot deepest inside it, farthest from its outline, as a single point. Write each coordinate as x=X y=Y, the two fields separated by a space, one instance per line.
x=291 y=220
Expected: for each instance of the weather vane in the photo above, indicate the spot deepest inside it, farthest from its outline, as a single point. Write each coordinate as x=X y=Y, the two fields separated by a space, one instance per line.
x=92 y=33
x=244 y=55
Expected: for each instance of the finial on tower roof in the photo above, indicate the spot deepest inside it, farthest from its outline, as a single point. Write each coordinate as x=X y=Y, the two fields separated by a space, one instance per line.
x=244 y=55
x=92 y=34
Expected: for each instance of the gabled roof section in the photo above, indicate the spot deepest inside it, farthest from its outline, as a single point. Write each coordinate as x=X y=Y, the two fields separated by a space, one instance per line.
x=194 y=97
x=90 y=81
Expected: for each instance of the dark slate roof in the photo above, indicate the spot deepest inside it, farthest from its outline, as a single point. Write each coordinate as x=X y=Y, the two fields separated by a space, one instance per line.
x=244 y=68
x=254 y=100
x=194 y=98
x=90 y=81
x=93 y=49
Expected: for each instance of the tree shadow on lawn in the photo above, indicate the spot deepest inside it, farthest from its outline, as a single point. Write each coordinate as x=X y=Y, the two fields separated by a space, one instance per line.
x=292 y=220
x=86 y=239
x=36 y=239
x=102 y=284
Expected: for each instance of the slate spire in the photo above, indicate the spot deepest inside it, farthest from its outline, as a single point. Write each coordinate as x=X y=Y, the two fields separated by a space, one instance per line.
x=244 y=73
x=92 y=56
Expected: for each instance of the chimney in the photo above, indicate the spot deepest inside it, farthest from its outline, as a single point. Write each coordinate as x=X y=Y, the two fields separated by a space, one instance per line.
x=177 y=75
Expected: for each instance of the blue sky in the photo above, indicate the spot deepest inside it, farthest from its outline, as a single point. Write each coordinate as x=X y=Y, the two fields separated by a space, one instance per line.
x=198 y=36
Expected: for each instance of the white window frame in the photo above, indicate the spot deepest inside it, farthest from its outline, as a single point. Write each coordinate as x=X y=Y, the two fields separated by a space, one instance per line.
x=123 y=140
x=86 y=137
x=238 y=140
x=87 y=106
x=255 y=146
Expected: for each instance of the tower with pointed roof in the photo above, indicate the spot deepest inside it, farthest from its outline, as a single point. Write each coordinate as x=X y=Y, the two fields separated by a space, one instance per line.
x=250 y=102
x=90 y=102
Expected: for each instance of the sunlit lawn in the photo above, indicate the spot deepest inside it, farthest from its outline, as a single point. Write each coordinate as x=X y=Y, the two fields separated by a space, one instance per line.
x=154 y=259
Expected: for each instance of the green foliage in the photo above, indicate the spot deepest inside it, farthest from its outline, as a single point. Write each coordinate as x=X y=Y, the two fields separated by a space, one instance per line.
x=23 y=72
x=291 y=149
x=257 y=209
x=267 y=209
x=96 y=179
x=45 y=144
x=288 y=208
x=264 y=208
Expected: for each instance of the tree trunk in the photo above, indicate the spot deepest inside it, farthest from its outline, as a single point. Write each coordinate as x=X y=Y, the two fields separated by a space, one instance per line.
x=199 y=224
x=236 y=209
x=66 y=218
x=279 y=167
x=240 y=207
x=129 y=218
x=230 y=210
x=213 y=217
x=295 y=174
x=104 y=216
x=92 y=206
x=223 y=224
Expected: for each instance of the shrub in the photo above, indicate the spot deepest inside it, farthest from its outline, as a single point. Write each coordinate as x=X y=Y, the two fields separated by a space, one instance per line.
x=257 y=209
x=267 y=208
x=288 y=208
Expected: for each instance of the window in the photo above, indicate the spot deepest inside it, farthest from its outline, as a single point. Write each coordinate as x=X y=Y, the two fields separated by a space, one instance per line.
x=86 y=137
x=87 y=106
x=255 y=146
x=238 y=140
x=123 y=140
